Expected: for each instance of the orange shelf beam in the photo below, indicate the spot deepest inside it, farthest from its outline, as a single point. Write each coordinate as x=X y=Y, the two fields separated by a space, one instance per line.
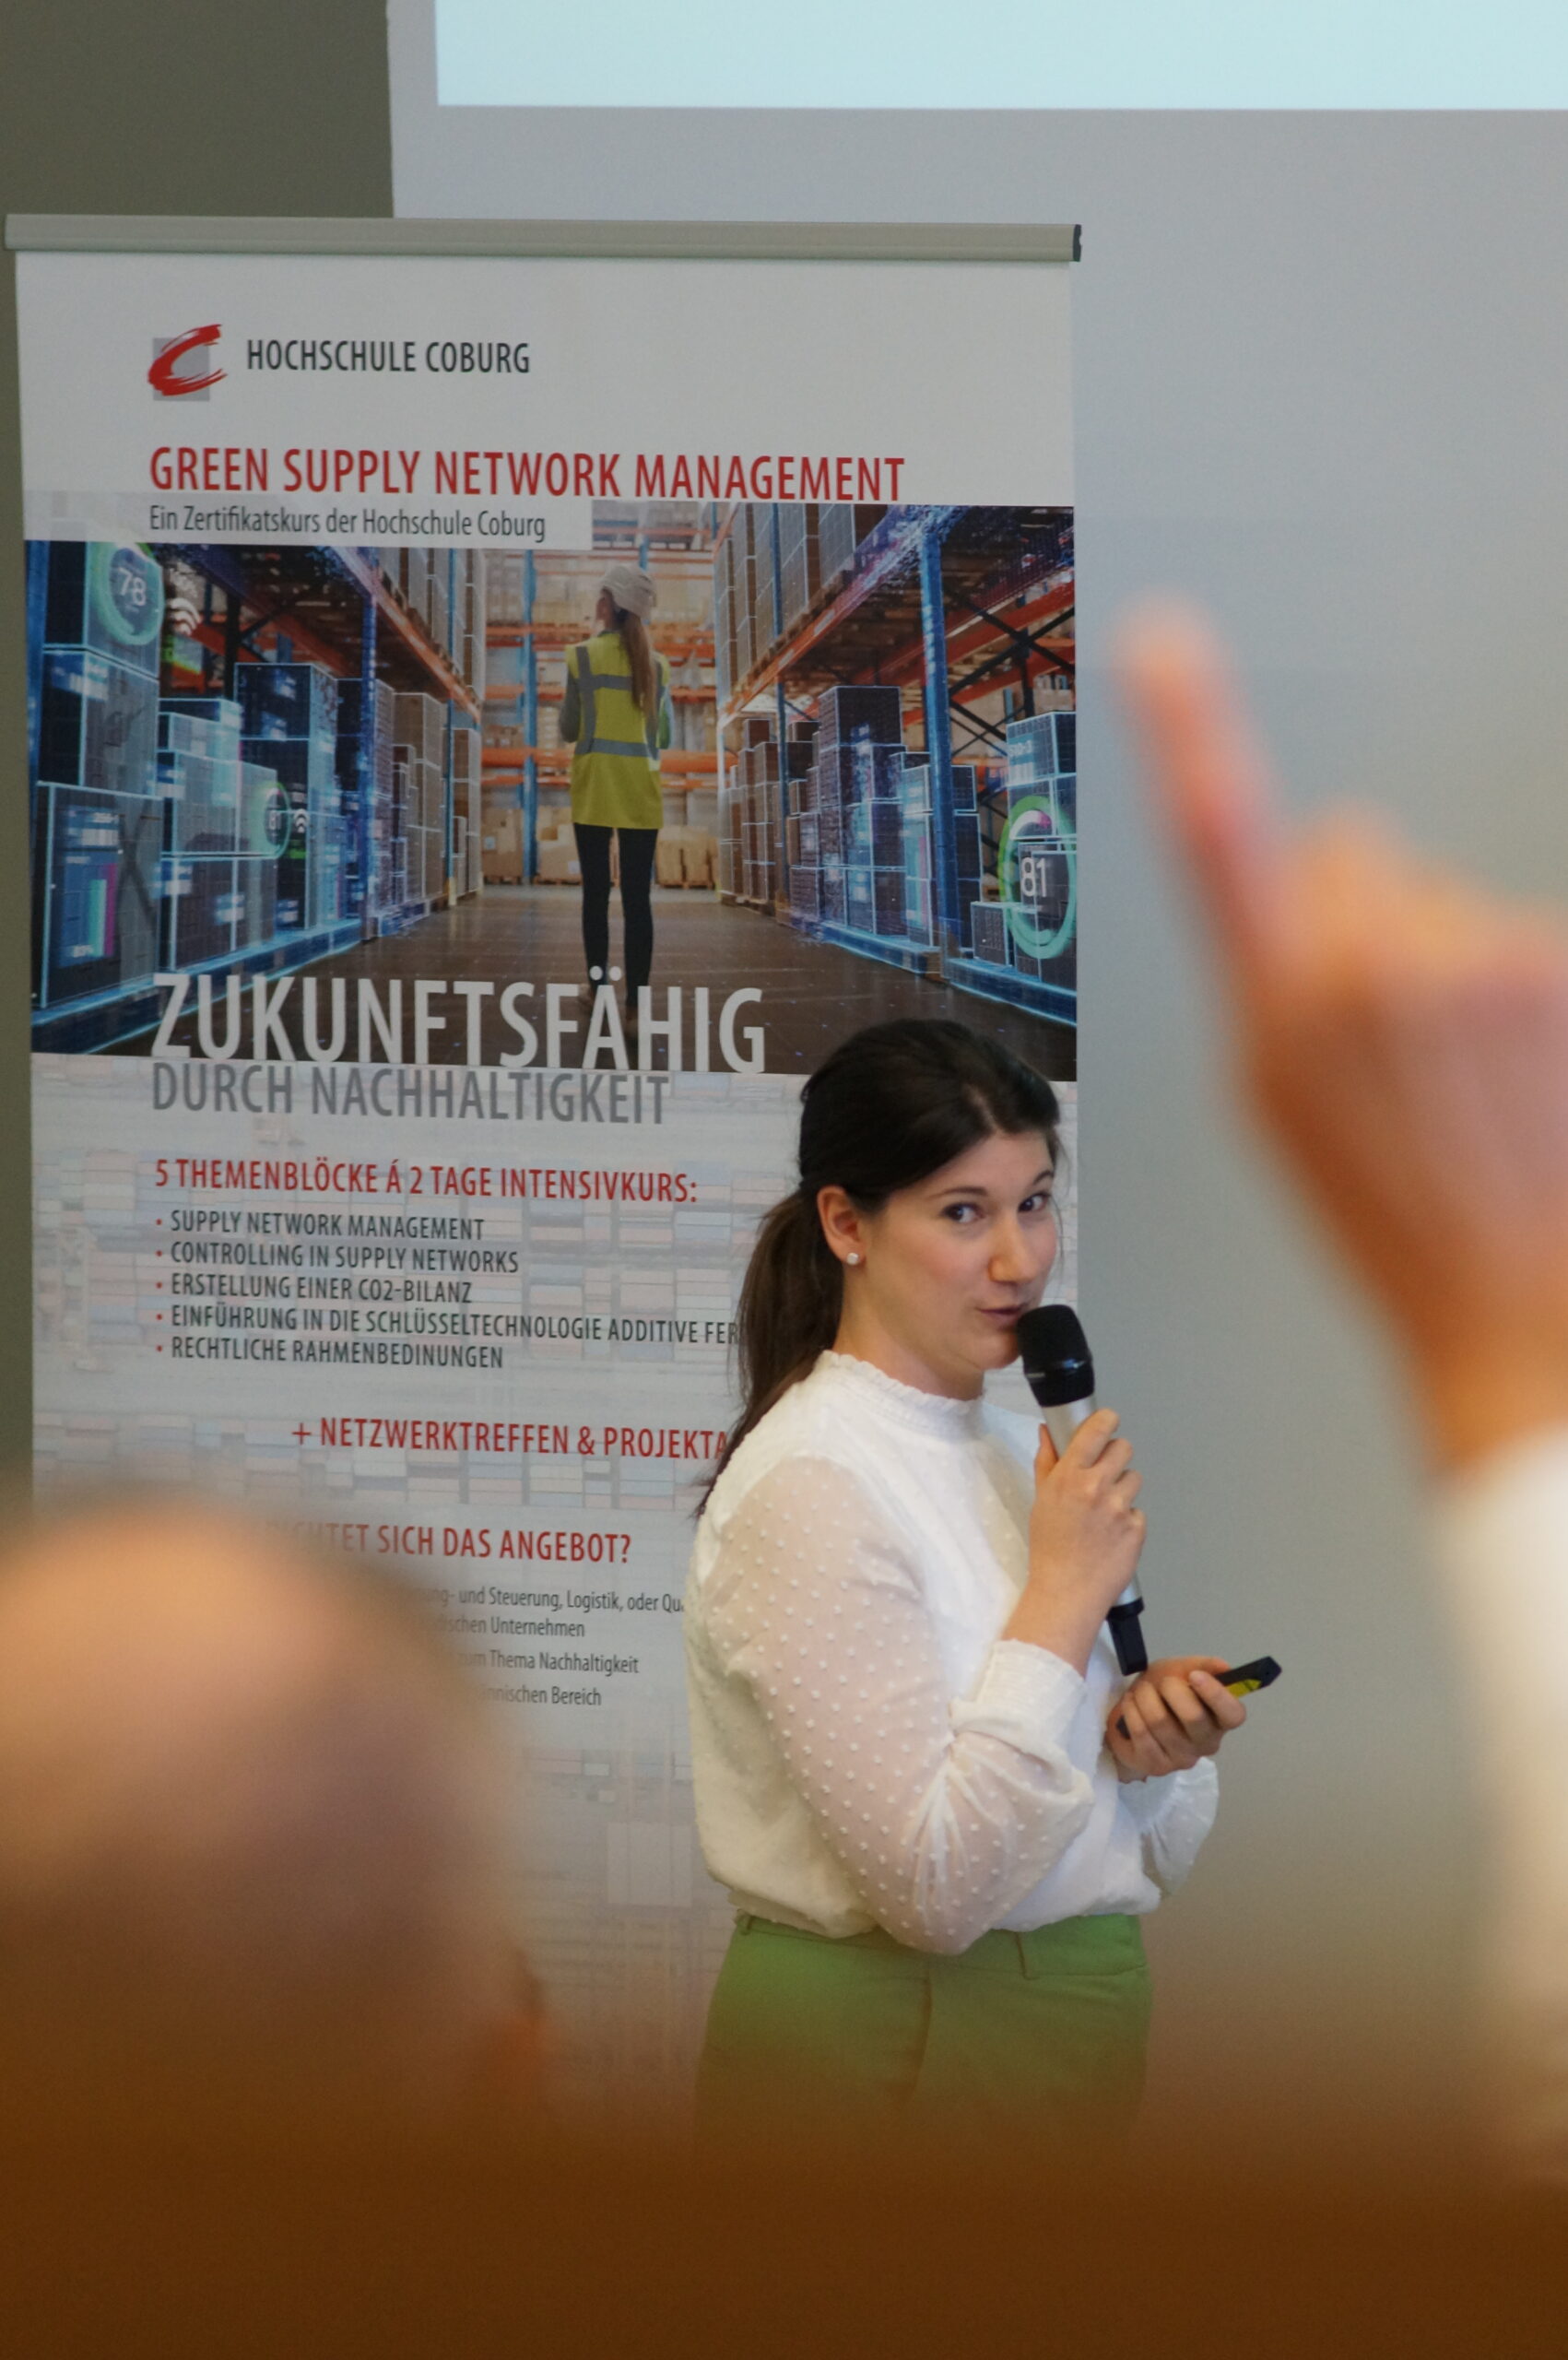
x=674 y=762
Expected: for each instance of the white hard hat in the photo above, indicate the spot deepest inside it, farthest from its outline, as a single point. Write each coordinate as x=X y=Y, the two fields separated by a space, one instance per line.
x=632 y=587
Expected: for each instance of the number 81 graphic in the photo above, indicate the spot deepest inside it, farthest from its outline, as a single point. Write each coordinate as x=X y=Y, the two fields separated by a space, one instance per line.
x=1037 y=870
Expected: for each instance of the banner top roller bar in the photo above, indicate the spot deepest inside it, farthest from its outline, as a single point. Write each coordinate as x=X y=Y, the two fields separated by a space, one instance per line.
x=919 y=241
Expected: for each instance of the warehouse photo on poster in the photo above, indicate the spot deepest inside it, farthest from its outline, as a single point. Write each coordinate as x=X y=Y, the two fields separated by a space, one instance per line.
x=315 y=801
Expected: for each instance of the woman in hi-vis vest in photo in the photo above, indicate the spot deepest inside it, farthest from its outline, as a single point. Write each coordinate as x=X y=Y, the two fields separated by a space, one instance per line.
x=615 y=712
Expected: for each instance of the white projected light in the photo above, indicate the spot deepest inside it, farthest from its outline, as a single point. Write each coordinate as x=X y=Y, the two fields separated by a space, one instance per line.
x=1023 y=53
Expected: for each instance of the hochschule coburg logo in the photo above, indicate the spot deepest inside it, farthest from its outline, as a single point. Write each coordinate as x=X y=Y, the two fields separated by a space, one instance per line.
x=179 y=365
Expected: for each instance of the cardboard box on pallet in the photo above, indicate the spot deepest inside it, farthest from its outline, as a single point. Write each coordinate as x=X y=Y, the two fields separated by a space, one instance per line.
x=685 y=857
x=765 y=606
x=558 y=861
x=988 y=931
x=1042 y=746
x=841 y=528
x=502 y=845
x=887 y=899
x=421 y=727
x=806 y=892
x=799 y=563
x=877 y=829
x=850 y=712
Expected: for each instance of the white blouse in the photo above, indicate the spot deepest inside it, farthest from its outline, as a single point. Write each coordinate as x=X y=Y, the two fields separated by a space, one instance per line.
x=866 y=1750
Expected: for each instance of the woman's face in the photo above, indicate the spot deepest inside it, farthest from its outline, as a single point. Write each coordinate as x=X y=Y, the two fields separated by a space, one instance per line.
x=946 y=1267
x=603 y=611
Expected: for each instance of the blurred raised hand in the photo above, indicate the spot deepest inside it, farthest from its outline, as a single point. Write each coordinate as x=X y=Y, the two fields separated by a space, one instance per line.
x=1401 y=1036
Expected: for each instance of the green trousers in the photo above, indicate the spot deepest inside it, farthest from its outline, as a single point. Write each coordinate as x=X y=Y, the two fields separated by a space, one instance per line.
x=1025 y=2044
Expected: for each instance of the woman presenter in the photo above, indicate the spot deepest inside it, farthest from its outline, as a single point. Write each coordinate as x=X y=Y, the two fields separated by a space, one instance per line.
x=909 y=1766
x=616 y=714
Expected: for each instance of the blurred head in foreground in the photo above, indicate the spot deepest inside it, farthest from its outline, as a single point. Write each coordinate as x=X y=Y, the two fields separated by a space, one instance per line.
x=250 y=1839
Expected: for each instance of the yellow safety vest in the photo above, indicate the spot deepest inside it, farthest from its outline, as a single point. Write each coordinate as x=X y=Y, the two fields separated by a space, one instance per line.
x=615 y=771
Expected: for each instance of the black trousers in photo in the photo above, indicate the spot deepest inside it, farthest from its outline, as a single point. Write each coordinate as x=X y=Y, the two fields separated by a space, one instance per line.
x=637 y=847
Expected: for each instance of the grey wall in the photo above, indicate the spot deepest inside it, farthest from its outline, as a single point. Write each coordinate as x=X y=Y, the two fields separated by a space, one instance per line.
x=169 y=106
x=1320 y=382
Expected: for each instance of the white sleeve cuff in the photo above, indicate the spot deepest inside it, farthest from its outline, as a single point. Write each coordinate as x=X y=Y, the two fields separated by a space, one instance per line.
x=1154 y=1802
x=1026 y=1696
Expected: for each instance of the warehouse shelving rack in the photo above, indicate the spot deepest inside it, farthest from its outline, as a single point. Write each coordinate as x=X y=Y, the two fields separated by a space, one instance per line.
x=961 y=603
x=338 y=610
x=417 y=662
x=373 y=635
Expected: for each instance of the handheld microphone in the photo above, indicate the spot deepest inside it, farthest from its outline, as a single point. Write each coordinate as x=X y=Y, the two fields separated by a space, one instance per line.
x=1059 y=1372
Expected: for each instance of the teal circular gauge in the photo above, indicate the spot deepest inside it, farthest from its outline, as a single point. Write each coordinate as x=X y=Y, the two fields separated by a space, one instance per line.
x=126 y=593
x=268 y=820
x=1031 y=836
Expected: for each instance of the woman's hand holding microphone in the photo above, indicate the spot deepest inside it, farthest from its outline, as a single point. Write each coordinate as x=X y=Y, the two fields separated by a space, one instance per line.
x=1086 y=1535
x=1085 y=1538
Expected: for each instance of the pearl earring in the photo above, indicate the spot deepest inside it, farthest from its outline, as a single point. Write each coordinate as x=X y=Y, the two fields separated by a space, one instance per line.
x=852 y=1257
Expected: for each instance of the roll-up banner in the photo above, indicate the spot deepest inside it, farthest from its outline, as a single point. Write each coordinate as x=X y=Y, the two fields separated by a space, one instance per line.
x=359 y=1198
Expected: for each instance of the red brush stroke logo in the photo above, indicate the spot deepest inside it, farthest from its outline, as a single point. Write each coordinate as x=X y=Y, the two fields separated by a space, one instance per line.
x=163 y=376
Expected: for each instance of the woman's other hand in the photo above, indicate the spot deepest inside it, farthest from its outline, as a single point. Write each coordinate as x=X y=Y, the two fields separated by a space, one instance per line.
x=1174 y=1714
x=1086 y=1535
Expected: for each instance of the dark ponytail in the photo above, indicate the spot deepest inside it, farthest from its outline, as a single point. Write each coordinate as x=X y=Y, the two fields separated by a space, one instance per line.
x=891 y=1106
x=642 y=662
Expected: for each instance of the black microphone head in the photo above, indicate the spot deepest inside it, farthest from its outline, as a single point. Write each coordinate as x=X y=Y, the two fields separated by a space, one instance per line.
x=1058 y=1364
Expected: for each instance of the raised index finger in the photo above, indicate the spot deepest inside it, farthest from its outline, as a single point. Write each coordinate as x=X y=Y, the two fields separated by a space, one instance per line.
x=1211 y=782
